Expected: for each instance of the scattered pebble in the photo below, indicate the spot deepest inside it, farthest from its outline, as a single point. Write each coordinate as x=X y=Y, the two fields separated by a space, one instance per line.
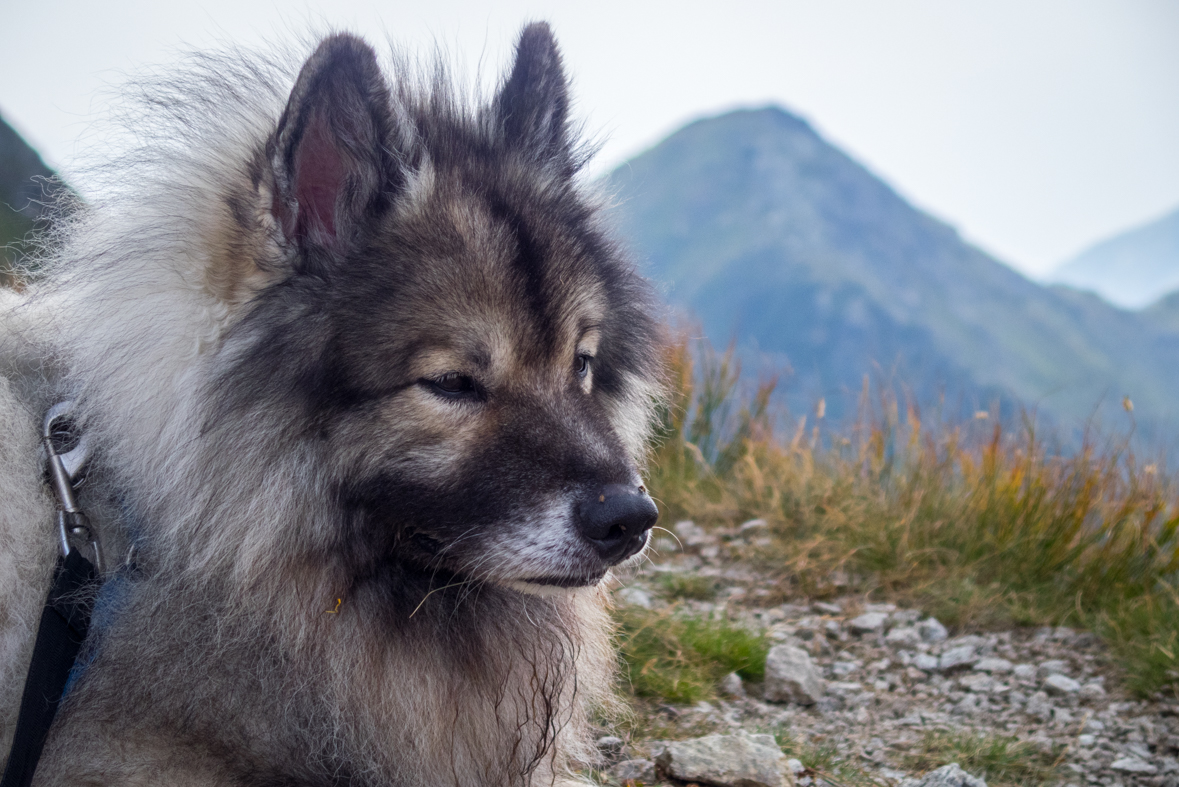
x=791 y=676
x=1024 y=671
x=904 y=636
x=732 y=686
x=868 y=623
x=724 y=760
x=1133 y=765
x=950 y=775
x=895 y=675
x=610 y=745
x=955 y=658
x=994 y=666
x=931 y=630
x=633 y=772
x=1052 y=667
x=1060 y=685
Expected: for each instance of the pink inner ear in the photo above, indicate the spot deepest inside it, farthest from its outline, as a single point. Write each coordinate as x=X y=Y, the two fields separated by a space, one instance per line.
x=319 y=178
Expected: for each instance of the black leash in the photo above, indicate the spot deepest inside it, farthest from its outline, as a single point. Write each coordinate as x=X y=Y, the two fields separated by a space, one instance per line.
x=65 y=620
x=64 y=624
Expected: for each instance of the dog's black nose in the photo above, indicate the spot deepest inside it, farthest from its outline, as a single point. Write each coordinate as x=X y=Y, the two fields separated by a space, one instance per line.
x=616 y=520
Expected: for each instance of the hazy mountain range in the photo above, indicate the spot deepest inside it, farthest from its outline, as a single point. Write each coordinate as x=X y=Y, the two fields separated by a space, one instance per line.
x=762 y=233
x=1132 y=269
x=772 y=237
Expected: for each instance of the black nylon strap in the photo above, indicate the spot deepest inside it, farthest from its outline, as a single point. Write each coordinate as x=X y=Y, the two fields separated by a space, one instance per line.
x=64 y=623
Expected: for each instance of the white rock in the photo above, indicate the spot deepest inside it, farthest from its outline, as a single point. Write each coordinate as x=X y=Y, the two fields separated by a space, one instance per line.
x=1052 y=667
x=868 y=623
x=994 y=666
x=636 y=597
x=753 y=524
x=610 y=744
x=978 y=683
x=1024 y=671
x=966 y=706
x=827 y=608
x=973 y=640
x=1086 y=740
x=1092 y=692
x=950 y=775
x=962 y=656
x=1039 y=706
x=795 y=766
x=905 y=636
x=791 y=676
x=731 y=686
x=924 y=661
x=633 y=772
x=932 y=630
x=1061 y=685
x=1133 y=765
x=726 y=760
x=1135 y=749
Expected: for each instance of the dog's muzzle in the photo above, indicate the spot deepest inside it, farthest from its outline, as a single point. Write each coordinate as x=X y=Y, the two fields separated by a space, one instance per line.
x=616 y=520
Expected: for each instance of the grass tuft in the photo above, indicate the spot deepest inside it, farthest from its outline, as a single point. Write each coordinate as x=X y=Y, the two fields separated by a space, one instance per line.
x=999 y=760
x=679 y=658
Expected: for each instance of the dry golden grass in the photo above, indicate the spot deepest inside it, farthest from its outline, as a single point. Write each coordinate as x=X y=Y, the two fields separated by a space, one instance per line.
x=977 y=525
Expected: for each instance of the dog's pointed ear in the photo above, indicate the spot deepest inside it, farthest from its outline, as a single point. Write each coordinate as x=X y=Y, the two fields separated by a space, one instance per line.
x=533 y=104
x=331 y=162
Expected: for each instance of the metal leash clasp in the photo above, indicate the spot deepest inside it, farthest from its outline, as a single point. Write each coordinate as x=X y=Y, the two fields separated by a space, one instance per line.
x=65 y=471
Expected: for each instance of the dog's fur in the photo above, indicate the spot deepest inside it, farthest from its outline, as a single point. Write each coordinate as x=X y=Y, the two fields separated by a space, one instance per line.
x=352 y=353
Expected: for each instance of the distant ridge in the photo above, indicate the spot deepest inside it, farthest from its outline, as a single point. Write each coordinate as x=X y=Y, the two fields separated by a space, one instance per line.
x=24 y=179
x=1133 y=269
x=770 y=235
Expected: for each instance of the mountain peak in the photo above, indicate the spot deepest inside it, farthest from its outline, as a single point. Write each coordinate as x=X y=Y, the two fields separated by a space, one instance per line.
x=770 y=235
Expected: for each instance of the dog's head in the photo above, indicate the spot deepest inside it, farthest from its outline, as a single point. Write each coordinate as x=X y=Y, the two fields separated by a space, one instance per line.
x=456 y=342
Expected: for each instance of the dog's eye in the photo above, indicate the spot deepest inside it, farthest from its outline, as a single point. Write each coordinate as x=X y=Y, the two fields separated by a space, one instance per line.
x=453 y=385
x=583 y=364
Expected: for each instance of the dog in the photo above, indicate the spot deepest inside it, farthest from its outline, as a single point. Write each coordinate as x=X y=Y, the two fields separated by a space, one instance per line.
x=369 y=387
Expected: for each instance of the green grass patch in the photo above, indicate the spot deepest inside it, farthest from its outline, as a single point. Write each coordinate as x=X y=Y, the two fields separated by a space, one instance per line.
x=1000 y=761
x=679 y=659
x=1143 y=635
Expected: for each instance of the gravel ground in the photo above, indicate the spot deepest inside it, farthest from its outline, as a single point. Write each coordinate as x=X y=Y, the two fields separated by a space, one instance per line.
x=892 y=675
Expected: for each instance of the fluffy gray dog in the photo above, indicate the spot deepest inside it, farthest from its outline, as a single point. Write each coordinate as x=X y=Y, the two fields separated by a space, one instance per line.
x=369 y=388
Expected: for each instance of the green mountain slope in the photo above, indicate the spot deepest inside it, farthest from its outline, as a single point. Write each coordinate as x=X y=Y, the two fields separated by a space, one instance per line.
x=1132 y=269
x=772 y=236
x=25 y=190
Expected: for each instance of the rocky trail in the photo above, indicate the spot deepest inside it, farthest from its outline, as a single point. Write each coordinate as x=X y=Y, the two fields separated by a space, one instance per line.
x=886 y=692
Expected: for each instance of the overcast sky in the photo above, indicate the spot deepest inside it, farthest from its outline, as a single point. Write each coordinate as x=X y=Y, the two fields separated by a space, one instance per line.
x=1034 y=126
